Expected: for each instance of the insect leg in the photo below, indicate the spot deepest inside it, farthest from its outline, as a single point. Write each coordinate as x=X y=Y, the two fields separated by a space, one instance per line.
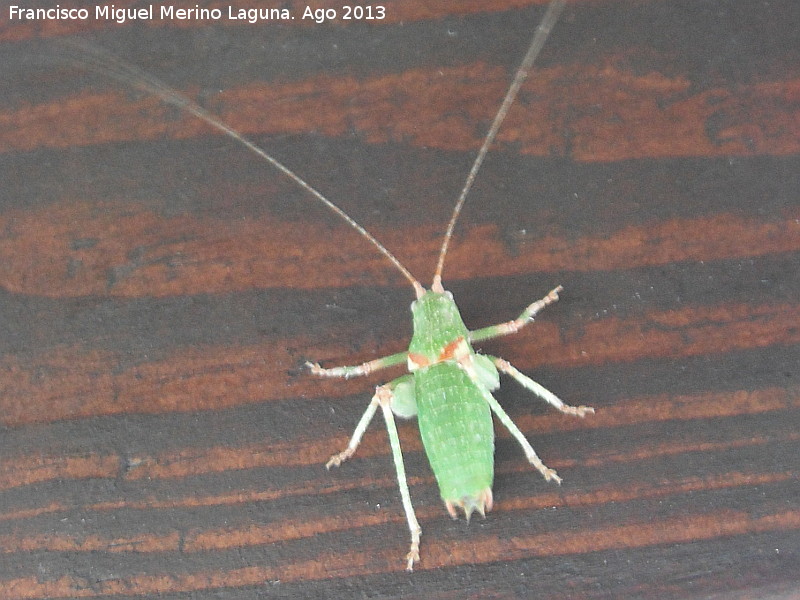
x=549 y=474
x=358 y=370
x=506 y=367
x=518 y=323
x=530 y=453
x=385 y=396
x=355 y=440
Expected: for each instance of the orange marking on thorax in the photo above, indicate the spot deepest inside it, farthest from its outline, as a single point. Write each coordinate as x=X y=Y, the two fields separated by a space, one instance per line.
x=418 y=360
x=456 y=349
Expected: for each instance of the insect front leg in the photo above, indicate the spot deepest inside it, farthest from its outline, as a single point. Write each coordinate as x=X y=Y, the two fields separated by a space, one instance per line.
x=514 y=326
x=357 y=370
x=529 y=384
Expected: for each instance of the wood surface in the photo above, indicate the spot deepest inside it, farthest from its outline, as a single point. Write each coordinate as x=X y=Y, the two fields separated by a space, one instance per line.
x=160 y=289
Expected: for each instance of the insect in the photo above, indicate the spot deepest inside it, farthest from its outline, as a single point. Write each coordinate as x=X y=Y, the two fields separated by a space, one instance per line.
x=449 y=385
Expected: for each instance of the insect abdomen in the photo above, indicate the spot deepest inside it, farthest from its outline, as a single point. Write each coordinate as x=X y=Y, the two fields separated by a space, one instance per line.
x=455 y=423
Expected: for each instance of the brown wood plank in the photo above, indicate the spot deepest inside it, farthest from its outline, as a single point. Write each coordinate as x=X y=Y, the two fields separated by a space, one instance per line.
x=160 y=290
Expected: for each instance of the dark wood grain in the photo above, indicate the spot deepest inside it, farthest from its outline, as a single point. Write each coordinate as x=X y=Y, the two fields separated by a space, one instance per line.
x=160 y=289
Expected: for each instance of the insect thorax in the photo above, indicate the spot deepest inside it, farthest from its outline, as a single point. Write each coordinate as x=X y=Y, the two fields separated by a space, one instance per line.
x=437 y=323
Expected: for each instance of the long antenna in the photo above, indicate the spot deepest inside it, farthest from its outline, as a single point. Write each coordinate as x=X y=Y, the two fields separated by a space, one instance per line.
x=97 y=59
x=539 y=37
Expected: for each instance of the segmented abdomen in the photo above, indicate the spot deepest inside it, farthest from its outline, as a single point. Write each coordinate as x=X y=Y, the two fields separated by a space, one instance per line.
x=455 y=423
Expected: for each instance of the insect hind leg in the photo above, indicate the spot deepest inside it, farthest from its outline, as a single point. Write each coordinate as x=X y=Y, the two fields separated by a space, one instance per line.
x=385 y=399
x=529 y=384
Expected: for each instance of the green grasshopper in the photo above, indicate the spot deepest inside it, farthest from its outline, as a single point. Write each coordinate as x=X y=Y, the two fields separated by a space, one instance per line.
x=449 y=385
